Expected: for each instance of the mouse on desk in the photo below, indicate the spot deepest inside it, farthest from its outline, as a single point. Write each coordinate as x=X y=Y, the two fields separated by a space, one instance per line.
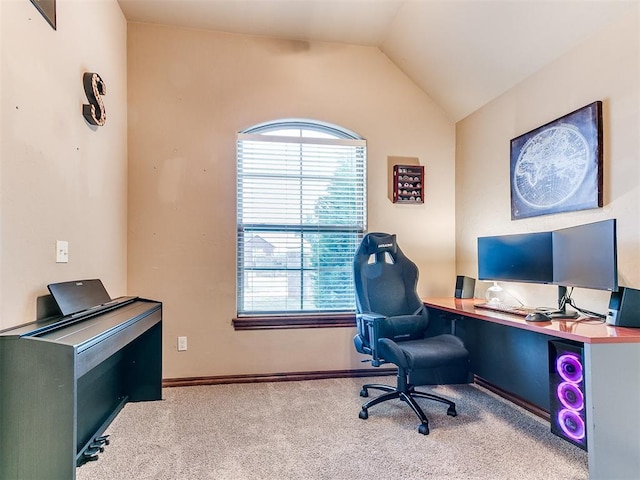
x=537 y=317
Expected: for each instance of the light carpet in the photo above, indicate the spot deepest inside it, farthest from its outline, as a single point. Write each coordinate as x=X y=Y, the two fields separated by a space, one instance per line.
x=311 y=430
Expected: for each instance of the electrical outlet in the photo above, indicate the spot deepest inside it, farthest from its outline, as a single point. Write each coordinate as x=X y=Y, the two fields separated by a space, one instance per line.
x=182 y=344
x=62 y=251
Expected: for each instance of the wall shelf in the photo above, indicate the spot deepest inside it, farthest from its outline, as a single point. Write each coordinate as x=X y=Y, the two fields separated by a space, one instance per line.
x=408 y=184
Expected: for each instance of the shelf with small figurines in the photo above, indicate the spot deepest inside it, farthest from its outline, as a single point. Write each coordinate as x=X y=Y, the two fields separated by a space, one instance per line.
x=408 y=184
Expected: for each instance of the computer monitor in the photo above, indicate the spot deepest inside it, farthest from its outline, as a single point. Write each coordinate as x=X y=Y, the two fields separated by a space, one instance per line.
x=585 y=256
x=526 y=257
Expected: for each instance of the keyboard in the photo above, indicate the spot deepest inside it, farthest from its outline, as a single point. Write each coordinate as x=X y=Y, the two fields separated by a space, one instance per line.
x=503 y=308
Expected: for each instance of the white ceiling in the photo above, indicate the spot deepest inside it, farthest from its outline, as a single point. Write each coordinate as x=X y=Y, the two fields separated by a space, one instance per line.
x=462 y=53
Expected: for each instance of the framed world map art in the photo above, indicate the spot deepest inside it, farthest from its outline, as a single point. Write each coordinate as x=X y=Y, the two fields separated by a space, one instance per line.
x=558 y=167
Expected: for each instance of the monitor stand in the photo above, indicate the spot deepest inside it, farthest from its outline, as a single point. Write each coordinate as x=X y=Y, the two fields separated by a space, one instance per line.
x=563 y=314
x=562 y=305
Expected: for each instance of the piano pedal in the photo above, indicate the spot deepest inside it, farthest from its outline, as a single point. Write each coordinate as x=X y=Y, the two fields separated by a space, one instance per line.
x=91 y=452
x=100 y=442
x=103 y=439
x=95 y=448
x=89 y=455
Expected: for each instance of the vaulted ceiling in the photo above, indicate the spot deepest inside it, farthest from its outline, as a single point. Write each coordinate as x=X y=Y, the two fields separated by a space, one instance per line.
x=462 y=53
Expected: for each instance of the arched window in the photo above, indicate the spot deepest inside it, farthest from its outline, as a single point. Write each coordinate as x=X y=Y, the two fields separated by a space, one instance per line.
x=301 y=211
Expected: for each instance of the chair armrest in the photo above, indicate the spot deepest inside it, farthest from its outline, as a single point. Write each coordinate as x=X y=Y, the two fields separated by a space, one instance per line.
x=371 y=316
x=371 y=322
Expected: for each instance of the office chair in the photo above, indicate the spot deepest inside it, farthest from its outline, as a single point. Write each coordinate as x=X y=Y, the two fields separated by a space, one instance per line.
x=392 y=325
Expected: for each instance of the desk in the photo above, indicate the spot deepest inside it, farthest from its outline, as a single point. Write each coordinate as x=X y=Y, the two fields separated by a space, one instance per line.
x=612 y=374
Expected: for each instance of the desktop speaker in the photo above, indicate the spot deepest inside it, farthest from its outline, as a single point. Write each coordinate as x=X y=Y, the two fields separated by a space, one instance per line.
x=624 y=308
x=566 y=389
x=465 y=287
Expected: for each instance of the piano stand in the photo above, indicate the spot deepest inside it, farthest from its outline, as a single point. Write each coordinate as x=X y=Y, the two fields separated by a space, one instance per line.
x=63 y=381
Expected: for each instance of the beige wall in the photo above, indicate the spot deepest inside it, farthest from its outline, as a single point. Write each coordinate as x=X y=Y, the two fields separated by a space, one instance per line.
x=60 y=179
x=607 y=68
x=190 y=92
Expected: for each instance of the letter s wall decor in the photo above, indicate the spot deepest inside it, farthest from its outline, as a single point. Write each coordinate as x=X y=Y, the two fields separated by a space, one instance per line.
x=94 y=88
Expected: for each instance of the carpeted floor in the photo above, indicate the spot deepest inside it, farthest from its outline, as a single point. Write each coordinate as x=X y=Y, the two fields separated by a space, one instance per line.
x=311 y=430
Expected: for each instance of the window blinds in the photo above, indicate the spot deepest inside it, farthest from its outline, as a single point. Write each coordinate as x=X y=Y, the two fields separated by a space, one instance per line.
x=301 y=211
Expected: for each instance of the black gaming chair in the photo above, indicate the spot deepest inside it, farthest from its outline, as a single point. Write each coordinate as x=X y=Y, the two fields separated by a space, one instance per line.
x=392 y=324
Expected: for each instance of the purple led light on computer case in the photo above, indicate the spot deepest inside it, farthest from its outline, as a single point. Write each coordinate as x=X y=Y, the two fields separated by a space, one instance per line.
x=571 y=424
x=569 y=368
x=570 y=396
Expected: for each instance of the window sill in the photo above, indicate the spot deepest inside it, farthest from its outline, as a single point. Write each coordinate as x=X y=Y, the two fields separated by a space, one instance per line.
x=270 y=322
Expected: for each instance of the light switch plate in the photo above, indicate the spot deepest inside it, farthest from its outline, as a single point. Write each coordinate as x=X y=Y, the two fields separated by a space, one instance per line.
x=62 y=251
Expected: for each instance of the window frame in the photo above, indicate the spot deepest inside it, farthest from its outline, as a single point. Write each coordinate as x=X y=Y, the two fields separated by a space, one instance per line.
x=301 y=319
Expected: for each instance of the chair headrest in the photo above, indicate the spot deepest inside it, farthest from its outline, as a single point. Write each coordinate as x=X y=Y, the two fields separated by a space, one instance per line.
x=380 y=243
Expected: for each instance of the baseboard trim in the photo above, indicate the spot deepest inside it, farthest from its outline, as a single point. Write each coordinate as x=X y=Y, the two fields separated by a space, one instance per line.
x=521 y=402
x=276 y=377
x=326 y=374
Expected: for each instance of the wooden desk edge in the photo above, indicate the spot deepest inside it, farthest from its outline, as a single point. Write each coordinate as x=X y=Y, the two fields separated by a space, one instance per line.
x=570 y=329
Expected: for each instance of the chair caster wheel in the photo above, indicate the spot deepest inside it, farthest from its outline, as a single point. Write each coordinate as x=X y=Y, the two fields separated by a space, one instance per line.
x=364 y=393
x=364 y=414
x=452 y=412
x=423 y=429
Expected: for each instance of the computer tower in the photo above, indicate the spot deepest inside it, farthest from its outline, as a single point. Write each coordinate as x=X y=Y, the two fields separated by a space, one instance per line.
x=567 y=393
x=624 y=308
x=465 y=287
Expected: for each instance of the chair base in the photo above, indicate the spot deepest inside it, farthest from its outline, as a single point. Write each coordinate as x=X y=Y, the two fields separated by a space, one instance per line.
x=407 y=395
